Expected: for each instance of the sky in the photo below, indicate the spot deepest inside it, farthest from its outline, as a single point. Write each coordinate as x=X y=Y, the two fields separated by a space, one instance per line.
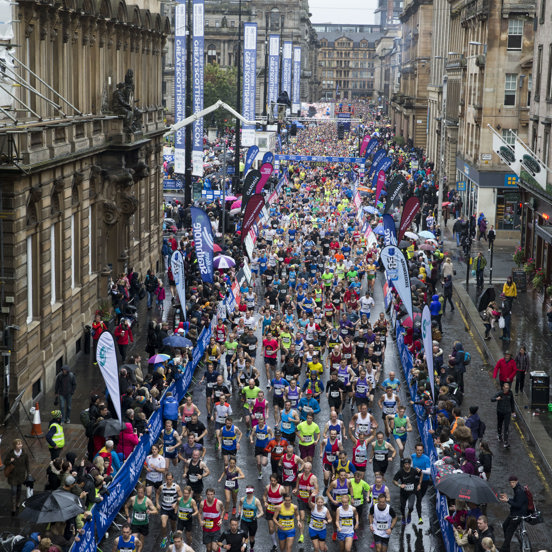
x=343 y=11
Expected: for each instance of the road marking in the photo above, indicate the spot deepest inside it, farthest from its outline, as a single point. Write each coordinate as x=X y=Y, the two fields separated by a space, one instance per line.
x=467 y=326
x=522 y=437
x=532 y=458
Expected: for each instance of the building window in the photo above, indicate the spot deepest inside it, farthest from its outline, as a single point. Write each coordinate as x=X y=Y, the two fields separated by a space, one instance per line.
x=542 y=11
x=515 y=34
x=75 y=251
x=232 y=23
x=206 y=22
x=509 y=136
x=529 y=88
x=33 y=273
x=211 y=53
x=539 y=73
x=507 y=214
x=274 y=19
x=217 y=24
x=549 y=74
x=510 y=89
x=546 y=146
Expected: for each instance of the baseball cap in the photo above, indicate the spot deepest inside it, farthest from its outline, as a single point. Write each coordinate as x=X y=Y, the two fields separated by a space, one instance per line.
x=309 y=391
x=69 y=480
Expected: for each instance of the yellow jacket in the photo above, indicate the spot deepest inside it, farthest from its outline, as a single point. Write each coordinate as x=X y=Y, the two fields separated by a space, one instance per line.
x=510 y=291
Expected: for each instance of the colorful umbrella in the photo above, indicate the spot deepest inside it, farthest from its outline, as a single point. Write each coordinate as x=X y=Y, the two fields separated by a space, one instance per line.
x=411 y=235
x=427 y=247
x=223 y=262
x=446 y=204
x=231 y=198
x=426 y=234
x=217 y=248
x=236 y=204
x=379 y=230
x=156 y=359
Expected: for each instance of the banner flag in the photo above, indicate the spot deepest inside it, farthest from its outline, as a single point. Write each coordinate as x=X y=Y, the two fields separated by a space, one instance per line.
x=250 y=185
x=384 y=164
x=357 y=201
x=107 y=361
x=364 y=145
x=396 y=268
x=252 y=211
x=380 y=184
x=427 y=337
x=286 y=67
x=180 y=85
x=370 y=148
x=273 y=69
x=266 y=171
x=197 y=84
x=396 y=186
x=177 y=267
x=371 y=239
x=296 y=85
x=203 y=241
x=252 y=152
x=249 y=83
x=411 y=207
x=378 y=156
x=268 y=157
x=390 y=235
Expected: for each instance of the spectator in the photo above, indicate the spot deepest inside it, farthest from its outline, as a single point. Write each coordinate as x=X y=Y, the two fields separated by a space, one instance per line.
x=64 y=389
x=505 y=369
x=523 y=366
x=518 y=507
x=504 y=407
x=128 y=439
x=123 y=334
x=55 y=436
x=151 y=284
x=483 y=531
x=16 y=462
x=98 y=328
x=475 y=424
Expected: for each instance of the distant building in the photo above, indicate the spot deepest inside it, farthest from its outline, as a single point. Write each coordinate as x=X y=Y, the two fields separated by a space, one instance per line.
x=346 y=61
x=388 y=13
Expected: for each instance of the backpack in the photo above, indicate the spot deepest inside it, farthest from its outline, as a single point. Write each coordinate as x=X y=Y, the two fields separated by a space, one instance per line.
x=480 y=470
x=467 y=358
x=19 y=543
x=85 y=419
x=530 y=500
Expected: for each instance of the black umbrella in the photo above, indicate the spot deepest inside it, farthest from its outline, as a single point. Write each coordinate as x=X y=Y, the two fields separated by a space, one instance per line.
x=49 y=507
x=108 y=428
x=403 y=244
x=470 y=488
x=485 y=298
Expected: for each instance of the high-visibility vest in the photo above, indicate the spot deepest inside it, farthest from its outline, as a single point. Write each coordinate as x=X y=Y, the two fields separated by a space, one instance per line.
x=59 y=437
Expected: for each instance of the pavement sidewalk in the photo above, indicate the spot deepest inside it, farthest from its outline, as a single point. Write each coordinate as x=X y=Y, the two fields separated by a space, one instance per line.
x=528 y=328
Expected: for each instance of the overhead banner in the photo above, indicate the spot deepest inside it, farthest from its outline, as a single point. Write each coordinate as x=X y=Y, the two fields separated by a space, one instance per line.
x=180 y=85
x=273 y=68
x=427 y=337
x=266 y=171
x=394 y=189
x=252 y=211
x=396 y=269
x=286 y=67
x=197 y=85
x=296 y=85
x=203 y=242
x=249 y=82
x=411 y=207
x=390 y=235
x=380 y=184
x=106 y=358
x=364 y=145
x=177 y=267
x=372 y=145
x=252 y=152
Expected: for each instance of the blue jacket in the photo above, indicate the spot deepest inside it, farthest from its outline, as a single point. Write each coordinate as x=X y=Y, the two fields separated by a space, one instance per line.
x=170 y=408
x=312 y=405
x=435 y=306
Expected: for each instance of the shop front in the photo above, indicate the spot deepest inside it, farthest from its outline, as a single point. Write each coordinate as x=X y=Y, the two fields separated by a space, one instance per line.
x=494 y=193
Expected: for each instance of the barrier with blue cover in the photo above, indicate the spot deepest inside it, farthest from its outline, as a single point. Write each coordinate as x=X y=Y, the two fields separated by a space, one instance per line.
x=424 y=425
x=125 y=481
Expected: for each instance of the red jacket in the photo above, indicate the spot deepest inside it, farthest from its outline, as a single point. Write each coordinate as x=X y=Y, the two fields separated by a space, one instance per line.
x=123 y=335
x=505 y=370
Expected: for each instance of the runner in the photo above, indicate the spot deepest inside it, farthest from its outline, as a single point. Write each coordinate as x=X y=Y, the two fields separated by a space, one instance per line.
x=305 y=490
x=388 y=402
x=360 y=493
x=186 y=410
x=250 y=510
x=187 y=511
x=290 y=418
x=178 y=544
x=261 y=436
x=363 y=422
x=156 y=467
x=229 y=438
x=329 y=451
x=290 y=464
x=249 y=394
x=141 y=508
x=284 y=517
x=336 y=490
x=335 y=391
x=279 y=385
x=167 y=499
x=401 y=426
x=272 y=498
x=382 y=453
x=277 y=448
x=319 y=519
x=360 y=453
x=309 y=434
x=407 y=479
x=335 y=423
x=126 y=542
x=231 y=475
x=195 y=471
x=346 y=523
x=171 y=442
x=211 y=511
x=382 y=521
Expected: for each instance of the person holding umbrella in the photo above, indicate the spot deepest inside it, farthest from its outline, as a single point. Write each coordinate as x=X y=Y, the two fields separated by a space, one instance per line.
x=16 y=462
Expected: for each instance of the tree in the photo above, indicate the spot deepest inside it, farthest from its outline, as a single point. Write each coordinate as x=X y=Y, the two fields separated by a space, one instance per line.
x=219 y=84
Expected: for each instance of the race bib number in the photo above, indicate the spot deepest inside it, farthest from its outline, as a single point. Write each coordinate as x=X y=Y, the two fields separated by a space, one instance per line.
x=230 y=484
x=140 y=516
x=357 y=501
x=209 y=524
x=317 y=524
x=379 y=456
x=409 y=487
x=334 y=394
x=382 y=526
x=346 y=522
x=307 y=438
x=286 y=425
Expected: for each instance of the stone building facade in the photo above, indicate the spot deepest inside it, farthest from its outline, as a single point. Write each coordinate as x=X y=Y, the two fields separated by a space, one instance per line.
x=409 y=105
x=80 y=194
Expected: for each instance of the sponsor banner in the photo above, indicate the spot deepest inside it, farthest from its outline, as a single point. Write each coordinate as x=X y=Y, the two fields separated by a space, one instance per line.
x=203 y=241
x=268 y=157
x=87 y=541
x=198 y=56
x=252 y=152
x=107 y=361
x=380 y=184
x=395 y=187
x=369 y=235
x=252 y=211
x=273 y=197
x=383 y=165
x=250 y=185
x=378 y=156
x=249 y=84
x=273 y=68
x=364 y=145
x=266 y=171
x=390 y=235
x=172 y=184
x=320 y=159
x=370 y=148
x=236 y=292
x=357 y=201
x=296 y=85
x=532 y=168
x=177 y=267
x=427 y=337
x=396 y=269
x=180 y=85
x=387 y=295
x=286 y=67
x=411 y=207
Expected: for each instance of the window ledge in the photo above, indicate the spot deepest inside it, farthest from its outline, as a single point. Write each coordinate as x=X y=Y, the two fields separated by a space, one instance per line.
x=56 y=306
x=33 y=325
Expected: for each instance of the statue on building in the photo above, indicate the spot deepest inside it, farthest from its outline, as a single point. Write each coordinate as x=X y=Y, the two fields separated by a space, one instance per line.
x=123 y=103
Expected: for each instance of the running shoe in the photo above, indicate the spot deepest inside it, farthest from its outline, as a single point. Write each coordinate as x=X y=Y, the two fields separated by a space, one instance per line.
x=274 y=548
x=260 y=476
x=373 y=545
x=408 y=519
x=301 y=538
x=226 y=516
x=334 y=536
x=506 y=444
x=234 y=511
x=421 y=521
x=164 y=543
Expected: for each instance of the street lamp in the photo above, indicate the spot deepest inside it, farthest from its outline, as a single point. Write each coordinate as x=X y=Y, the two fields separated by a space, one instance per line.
x=236 y=178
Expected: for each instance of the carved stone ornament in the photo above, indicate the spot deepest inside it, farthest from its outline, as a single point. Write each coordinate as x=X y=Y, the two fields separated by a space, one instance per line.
x=141 y=171
x=128 y=204
x=110 y=213
x=35 y=193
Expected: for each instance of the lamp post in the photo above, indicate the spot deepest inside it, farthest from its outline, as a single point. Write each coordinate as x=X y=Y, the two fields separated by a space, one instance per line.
x=188 y=109
x=236 y=178
x=265 y=89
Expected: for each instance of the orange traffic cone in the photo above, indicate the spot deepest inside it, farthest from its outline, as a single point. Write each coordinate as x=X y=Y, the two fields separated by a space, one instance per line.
x=36 y=430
